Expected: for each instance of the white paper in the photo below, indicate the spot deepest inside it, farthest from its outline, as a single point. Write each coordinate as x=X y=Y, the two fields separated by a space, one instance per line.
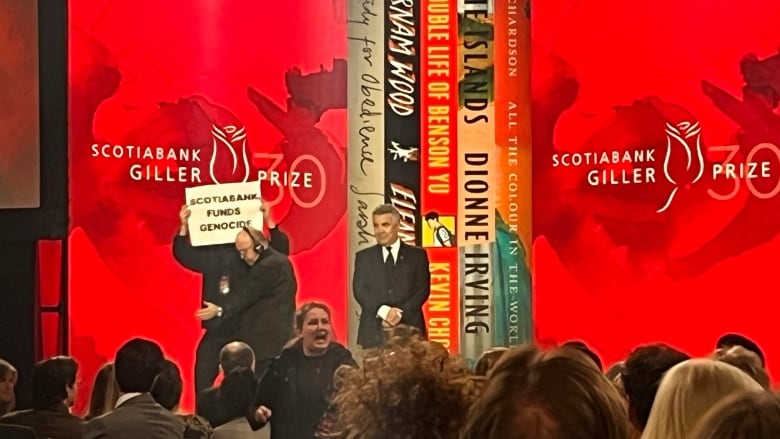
x=220 y=211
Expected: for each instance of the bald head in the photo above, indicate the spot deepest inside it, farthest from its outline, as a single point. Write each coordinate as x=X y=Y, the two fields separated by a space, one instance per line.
x=248 y=242
x=236 y=354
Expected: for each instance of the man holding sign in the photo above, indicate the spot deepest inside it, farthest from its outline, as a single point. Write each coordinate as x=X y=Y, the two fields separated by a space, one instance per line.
x=222 y=268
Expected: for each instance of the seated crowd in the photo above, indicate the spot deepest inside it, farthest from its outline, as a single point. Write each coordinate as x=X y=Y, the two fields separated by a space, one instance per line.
x=409 y=388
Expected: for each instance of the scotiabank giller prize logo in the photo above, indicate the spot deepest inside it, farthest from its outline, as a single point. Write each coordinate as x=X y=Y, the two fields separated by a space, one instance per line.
x=684 y=165
x=229 y=162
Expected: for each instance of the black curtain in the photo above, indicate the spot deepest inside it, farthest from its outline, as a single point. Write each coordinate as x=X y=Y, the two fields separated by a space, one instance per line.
x=20 y=229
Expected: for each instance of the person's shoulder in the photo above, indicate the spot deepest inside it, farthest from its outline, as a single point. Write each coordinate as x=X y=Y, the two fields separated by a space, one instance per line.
x=413 y=249
x=279 y=365
x=10 y=417
x=340 y=350
x=271 y=256
x=366 y=250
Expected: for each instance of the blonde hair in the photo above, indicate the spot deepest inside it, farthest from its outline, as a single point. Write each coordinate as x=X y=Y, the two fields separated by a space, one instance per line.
x=687 y=391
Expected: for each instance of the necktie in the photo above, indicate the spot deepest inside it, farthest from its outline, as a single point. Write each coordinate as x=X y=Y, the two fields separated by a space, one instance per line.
x=389 y=264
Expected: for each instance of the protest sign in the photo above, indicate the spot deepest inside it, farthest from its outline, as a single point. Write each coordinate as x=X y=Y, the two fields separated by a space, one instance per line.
x=219 y=211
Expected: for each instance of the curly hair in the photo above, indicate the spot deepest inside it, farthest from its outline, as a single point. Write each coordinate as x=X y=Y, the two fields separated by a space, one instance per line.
x=407 y=389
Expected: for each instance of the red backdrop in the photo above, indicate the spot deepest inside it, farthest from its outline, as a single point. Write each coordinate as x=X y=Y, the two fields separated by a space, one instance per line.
x=611 y=269
x=162 y=74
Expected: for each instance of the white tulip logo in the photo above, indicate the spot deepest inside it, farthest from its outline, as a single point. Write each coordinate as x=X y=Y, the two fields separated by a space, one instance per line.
x=687 y=136
x=231 y=138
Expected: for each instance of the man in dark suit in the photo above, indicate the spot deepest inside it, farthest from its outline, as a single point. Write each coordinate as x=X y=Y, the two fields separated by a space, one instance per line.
x=392 y=280
x=233 y=356
x=54 y=389
x=220 y=266
x=264 y=300
x=136 y=415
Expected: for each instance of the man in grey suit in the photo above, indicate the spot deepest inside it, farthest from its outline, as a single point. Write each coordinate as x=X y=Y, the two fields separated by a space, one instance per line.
x=136 y=415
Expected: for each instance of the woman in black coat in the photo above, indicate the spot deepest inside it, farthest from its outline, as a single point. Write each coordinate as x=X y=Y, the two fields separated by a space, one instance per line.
x=295 y=392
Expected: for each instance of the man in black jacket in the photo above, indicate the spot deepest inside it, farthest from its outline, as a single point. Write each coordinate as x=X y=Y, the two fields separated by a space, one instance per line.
x=54 y=389
x=266 y=298
x=391 y=282
x=136 y=415
x=233 y=355
x=221 y=267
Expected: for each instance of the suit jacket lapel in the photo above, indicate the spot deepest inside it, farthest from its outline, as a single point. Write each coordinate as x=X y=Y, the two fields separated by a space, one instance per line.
x=379 y=260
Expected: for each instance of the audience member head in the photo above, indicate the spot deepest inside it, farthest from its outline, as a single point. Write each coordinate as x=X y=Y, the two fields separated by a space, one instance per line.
x=642 y=373
x=744 y=415
x=408 y=389
x=730 y=340
x=237 y=392
x=167 y=385
x=687 y=391
x=582 y=347
x=54 y=382
x=615 y=371
x=488 y=359
x=137 y=364
x=8 y=376
x=236 y=354
x=744 y=360
x=105 y=392
x=313 y=326
x=554 y=395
